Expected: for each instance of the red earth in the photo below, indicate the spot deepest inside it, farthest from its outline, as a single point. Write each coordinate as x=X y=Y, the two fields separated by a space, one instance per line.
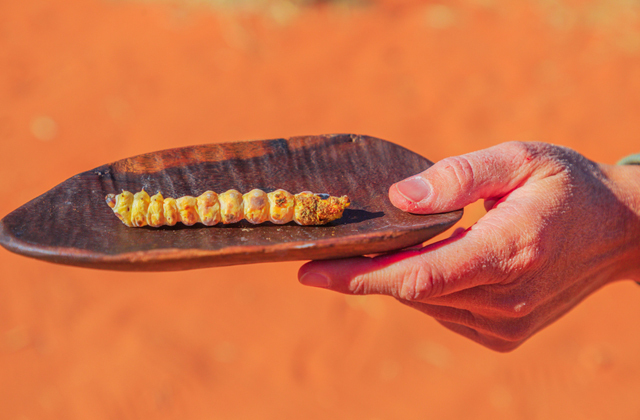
x=85 y=82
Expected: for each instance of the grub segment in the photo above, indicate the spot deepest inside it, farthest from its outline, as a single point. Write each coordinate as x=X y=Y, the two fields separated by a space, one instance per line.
x=171 y=214
x=281 y=206
x=256 y=206
x=208 y=207
x=231 y=207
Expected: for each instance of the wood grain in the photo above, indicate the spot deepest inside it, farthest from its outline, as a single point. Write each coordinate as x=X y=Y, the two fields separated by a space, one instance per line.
x=71 y=223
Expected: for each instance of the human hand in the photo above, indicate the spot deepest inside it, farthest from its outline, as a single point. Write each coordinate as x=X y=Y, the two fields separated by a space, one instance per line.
x=557 y=228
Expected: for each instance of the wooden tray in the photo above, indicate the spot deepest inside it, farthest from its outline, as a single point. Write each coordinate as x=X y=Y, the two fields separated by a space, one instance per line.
x=71 y=223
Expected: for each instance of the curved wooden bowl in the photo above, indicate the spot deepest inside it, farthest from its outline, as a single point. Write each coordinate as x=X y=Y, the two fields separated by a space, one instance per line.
x=71 y=223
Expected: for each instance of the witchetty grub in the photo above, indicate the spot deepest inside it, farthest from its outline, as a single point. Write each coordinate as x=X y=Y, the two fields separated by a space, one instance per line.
x=256 y=206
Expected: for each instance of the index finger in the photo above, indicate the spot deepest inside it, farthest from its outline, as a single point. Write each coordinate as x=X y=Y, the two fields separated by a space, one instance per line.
x=439 y=269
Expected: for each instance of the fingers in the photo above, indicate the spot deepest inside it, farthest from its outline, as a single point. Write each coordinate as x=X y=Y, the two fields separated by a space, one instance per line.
x=497 y=334
x=458 y=181
x=489 y=341
x=453 y=264
x=466 y=324
x=501 y=245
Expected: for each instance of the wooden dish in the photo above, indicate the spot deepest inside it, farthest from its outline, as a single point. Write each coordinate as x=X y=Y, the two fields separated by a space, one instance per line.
x=71 y=223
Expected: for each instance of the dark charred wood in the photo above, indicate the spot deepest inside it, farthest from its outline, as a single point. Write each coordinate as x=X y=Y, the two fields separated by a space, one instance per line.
x=72 y=224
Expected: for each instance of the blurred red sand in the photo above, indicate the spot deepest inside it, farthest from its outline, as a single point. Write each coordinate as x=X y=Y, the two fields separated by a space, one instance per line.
x=85 y=82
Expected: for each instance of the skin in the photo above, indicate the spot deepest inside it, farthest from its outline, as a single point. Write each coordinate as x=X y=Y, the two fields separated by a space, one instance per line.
x=558 y=227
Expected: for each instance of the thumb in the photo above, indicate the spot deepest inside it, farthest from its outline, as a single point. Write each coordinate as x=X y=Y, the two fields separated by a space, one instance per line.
x=457 y=181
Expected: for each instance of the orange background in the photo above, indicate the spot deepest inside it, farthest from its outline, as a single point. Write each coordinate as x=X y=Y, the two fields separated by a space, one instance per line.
x=85 y=82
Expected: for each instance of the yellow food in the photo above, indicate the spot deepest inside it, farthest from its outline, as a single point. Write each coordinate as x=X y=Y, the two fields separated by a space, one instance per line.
x=256 y=206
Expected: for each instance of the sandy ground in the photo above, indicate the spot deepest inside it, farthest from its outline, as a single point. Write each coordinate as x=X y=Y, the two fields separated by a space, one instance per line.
x=84 y=82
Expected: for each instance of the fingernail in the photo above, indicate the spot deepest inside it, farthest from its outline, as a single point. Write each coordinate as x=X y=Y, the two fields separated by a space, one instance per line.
x=414 y=189
x=314 y=279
